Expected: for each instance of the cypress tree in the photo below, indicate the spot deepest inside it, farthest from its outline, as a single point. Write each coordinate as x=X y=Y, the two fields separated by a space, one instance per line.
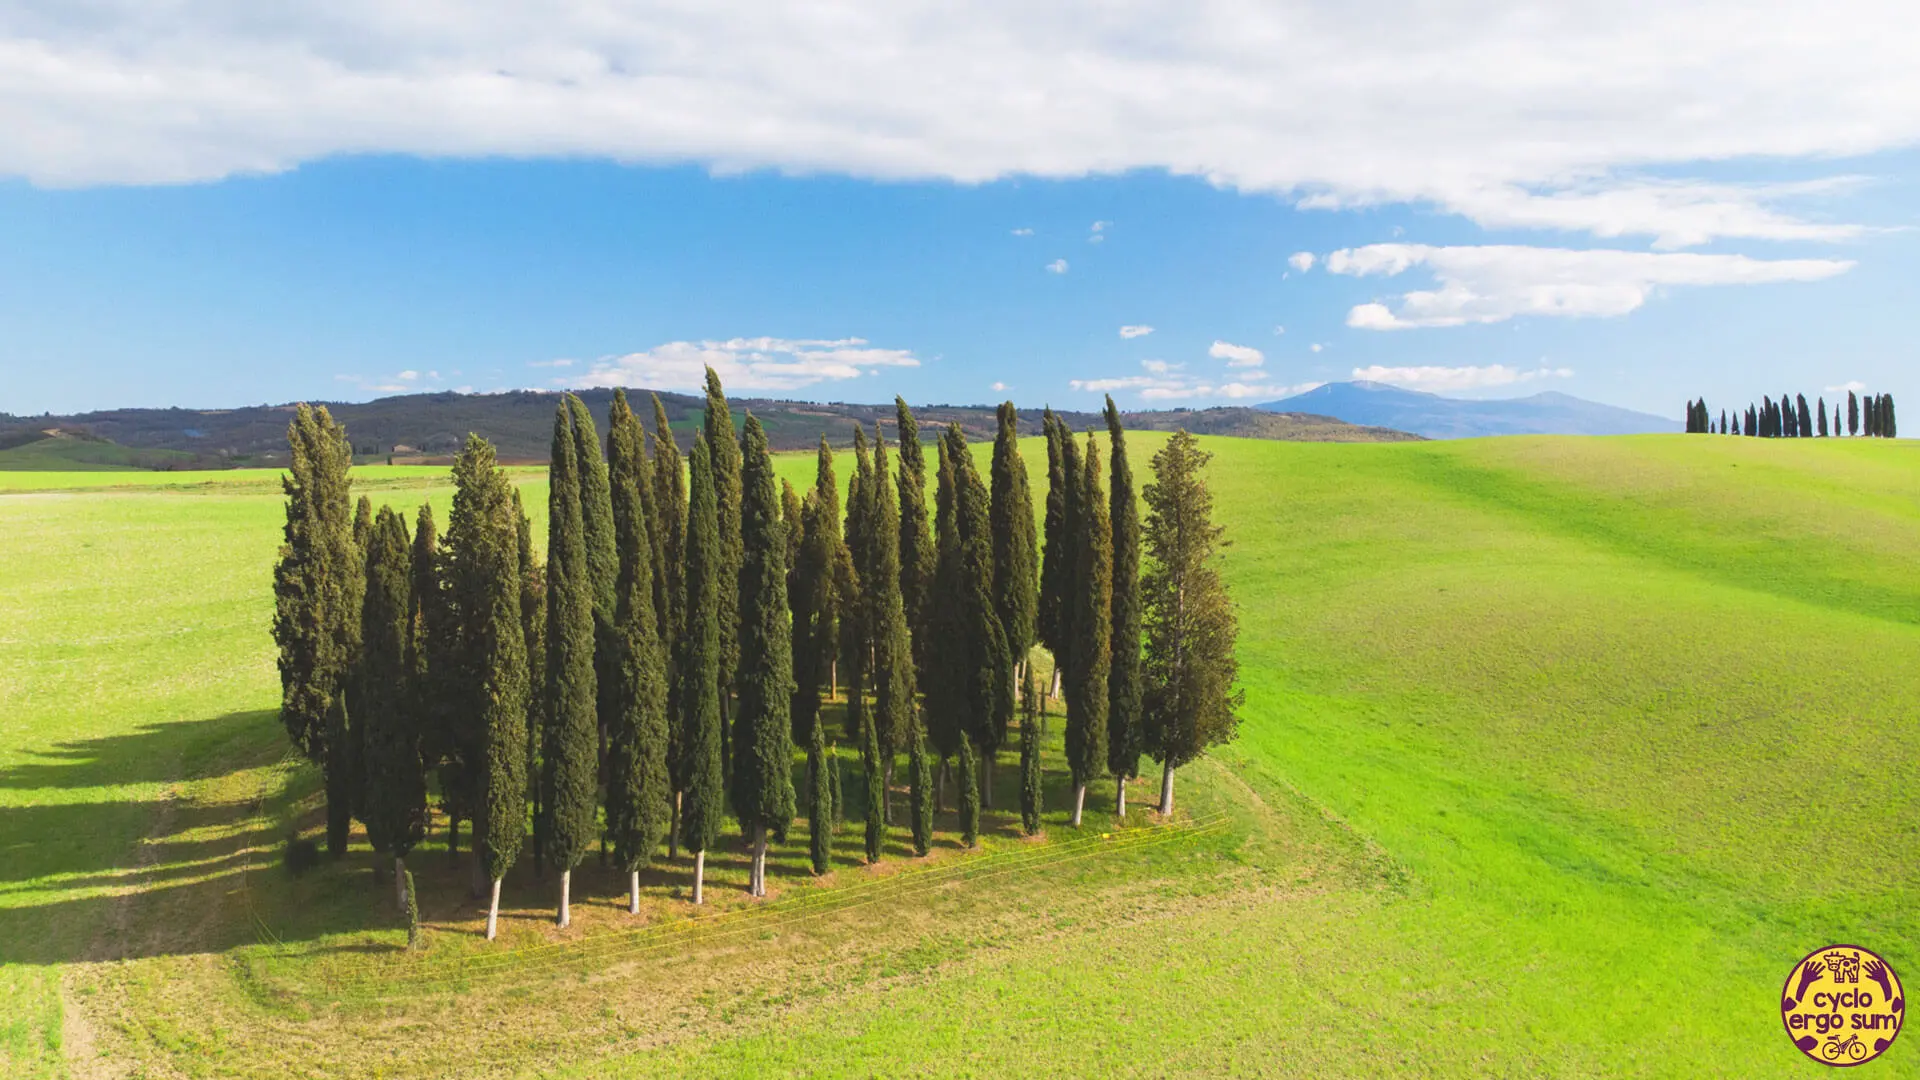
x=791 y=516
x=919 y=545
x=1853 y=413
x=821 y=574
x=362 y=524
x=337 y=775
x=968 y=773
x=1190 y=666
x=1016 y=573
x=1889 y=426
x=1820 y=410
x=1072 y=481
x=394 y=785
x=1030 y=789
x=483 y=535
x=1805 y=418
x=1055 y=557
x=1092 y=596
x=603 y=569
x=854 y=650
x=819 y=800
x=533 y=627
x=639 y=789
x=763 y=744
x=723 y=449
x=571 y=691
x=945 y=665
x=317 y=583
x=893 y=676
x=1123 y=677
x=435 y=684
x=1837 y=428
x=988 y=699
x=703 y=799
x=669 y=508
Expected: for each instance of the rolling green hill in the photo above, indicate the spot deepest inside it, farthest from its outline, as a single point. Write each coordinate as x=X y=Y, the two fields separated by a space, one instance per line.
x=1557 y=754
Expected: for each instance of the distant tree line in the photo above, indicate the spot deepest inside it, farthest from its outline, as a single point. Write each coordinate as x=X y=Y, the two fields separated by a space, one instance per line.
x=664 y=670
x=1790 y=418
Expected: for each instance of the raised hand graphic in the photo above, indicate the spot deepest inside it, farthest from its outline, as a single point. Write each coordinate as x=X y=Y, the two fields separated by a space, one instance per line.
x=1808 y=974
x=1877 y=971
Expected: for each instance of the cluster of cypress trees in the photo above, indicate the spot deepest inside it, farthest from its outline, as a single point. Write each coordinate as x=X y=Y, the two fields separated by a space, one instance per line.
x=1791 y=418
x=663 y=666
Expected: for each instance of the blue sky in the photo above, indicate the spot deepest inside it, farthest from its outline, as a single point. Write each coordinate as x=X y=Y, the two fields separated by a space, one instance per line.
x=903 y=223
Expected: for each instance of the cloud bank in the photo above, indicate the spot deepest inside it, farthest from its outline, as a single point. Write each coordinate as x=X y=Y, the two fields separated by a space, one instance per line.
x=759 y=364
x=1443 y=379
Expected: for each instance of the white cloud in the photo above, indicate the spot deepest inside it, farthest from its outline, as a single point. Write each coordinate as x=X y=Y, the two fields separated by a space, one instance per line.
x=550 y=363
x=756 y=364
x=1168 y=382
x=1023 y=232
x=1511 y=112
x=1237 y=355
x=1057 y=266
x=1100 y=226
x=407 y=376
x=1316 y=346
x=1851 y=386
x=1160 y=367
x=1124 y=382
x=1279 y=330
x=1098 y=233
x=1492 y=283
x=1440 y=379
x=997 y=387
x=1301 y=261
x=1135 y=331
x=1280 y=392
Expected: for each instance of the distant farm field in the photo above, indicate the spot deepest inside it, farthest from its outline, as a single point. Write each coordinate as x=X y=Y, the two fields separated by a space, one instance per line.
x=1557 y=755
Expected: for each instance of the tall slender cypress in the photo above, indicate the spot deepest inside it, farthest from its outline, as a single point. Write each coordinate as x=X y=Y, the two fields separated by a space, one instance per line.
x=763 y=738
x=571 y=691
x=987 y=684
x=639 y=789
x=1055 y=556
x=603 y=568
x=362 y=523
x=1016 y=571
x=819 y=800
x=316 y=583
x=533 y=628
x=1853 y=413
x=669 y=507
x=723 y=448
x=791 y=516
x=1092 y=596
x=919 y=546
x=395 y=783
x=854 y=646
x=945 y=669
x=1123 y=677
x=818 y=574
x=1030 y=788
x=1190 y=668
x=484 y=546
x=703 y=798
x=1806 y=418
x=893 y=675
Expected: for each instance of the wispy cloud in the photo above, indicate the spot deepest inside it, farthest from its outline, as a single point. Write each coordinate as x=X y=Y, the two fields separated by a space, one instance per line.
x=1301 y=261
x=1240 y=356
x=1440 y=379
x=997 y=387
x=550 y=363
x=1135 y=331
x=764 y=364
x=1057 y=266
x=1023 y=232
x=1851 y=386
x=1492 y=283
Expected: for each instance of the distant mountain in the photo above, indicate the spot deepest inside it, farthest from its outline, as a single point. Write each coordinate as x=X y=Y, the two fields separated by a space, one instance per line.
x=1435 y=417
x=430 y=428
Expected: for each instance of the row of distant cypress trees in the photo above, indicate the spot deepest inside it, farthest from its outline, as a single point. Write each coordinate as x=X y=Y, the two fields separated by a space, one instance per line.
x=678 y=643
x=1790 y=418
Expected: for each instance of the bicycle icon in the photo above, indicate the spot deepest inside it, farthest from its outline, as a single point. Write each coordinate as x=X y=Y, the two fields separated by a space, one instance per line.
x=1852 y=1048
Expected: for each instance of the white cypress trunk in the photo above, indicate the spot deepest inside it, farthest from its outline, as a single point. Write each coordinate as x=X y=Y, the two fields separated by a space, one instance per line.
x=699 y=875
x=1079 y=801
x=400 y=882
x=1055 y=692
x=493 y=910
x=1120 y=797
x=760 y=861
x=673 y=832
x=1166 y=790
x=566 y=897
x=633 y=893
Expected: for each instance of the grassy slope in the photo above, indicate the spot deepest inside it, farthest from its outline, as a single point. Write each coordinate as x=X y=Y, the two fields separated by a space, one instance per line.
x=1626 y=718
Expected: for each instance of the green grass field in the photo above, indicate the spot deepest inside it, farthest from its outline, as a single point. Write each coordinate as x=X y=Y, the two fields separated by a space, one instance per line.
x=1557 y=755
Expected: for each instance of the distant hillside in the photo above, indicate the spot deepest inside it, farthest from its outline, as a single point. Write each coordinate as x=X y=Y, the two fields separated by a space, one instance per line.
x=1436 y=417
x=55 y=449
x=431 y=427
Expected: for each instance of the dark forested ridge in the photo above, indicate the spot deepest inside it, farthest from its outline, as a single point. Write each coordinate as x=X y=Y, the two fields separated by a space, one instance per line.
x=433 y=427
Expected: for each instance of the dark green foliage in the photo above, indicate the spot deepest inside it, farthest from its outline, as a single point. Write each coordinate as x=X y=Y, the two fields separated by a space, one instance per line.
x=362 y=523
x=337 y=774
x=1073 y=480
x=1853 y=413
x=1091 y=595
x=723 y=448
x=893 y=677
x=571 y=746
x=432 y=663
x=703 y=802
x=1016 y=572
x=762 y=765
x=316 y=582
x=533 y=625
x=1056 y=557
x=669 y=535
x=791 y=516
x=1805 y=425
x=1889 y=427
x=488 y=684
x=603 y=571
x=920 y=789
x=300 y=855
x=987 y=684
x=819 y=800
x=919 y=548
x=873 y=767
x=821 y=576
x=855 y=647
x=394 y=783
x=1820 y=410
x=1190 y=667
x=969 y=795
x=945 y=673
x=639 y=789
x=1030 y=788
x=1123 y=675
x=413 y=914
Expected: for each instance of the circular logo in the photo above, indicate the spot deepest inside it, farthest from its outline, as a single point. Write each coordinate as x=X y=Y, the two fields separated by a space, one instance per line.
x=1843 y=1005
